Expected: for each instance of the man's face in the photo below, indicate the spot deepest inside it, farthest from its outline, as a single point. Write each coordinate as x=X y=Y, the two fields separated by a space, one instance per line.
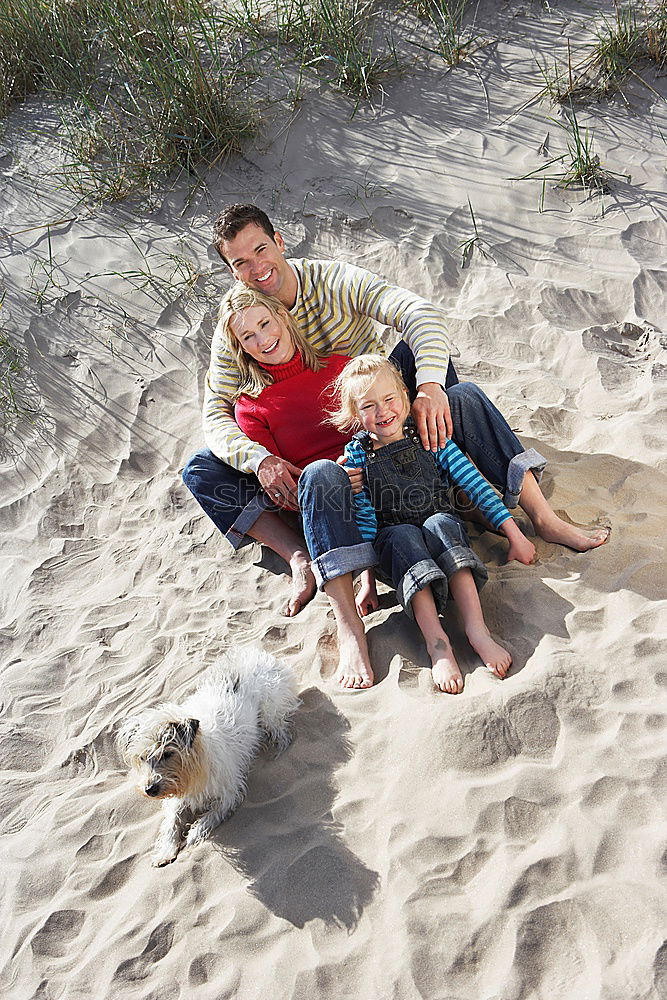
x=257 y=260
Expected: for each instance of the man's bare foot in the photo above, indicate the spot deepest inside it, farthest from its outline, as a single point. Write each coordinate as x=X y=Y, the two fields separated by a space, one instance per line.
x=492 y=655
x=304 y=587
x=446 y=673
x=366 y=598
x=554 y=529
x=354 y=668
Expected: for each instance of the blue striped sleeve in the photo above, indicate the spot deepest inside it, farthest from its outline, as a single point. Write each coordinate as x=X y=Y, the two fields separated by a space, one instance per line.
x=453 y=463
x=364 y=512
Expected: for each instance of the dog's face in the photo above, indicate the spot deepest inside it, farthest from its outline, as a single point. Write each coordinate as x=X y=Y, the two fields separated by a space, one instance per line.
x=163 y=753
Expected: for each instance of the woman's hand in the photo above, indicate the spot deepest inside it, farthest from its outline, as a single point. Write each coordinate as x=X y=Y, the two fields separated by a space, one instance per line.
x=356 y=475
x=278 y=478
x=432 y=416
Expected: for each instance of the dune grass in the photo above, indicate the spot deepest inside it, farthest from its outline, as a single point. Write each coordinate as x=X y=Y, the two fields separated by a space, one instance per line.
x=473 y=242
x=636 y=34
x=149 y=86
x=43 y=44
x=578 y=167
x=455 y=40
x=337 y=40
x=19 y=396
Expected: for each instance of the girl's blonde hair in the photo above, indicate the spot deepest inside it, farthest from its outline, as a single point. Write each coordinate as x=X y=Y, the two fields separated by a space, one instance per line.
x=355 y=379
x=254 y=378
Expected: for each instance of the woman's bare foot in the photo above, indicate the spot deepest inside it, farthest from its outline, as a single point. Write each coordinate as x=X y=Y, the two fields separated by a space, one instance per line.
x=446 y=673
x=554 y=529
x=354 y=668
x=366 y=598
x=304 y=587
x=492 y=655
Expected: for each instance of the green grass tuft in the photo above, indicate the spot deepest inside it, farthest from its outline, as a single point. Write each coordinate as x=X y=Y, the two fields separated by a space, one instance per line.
x=455 y=39
x=636 y=34
x=152 y=86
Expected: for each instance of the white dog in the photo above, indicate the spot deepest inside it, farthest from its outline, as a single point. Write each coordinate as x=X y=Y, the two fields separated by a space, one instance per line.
x=196 y=756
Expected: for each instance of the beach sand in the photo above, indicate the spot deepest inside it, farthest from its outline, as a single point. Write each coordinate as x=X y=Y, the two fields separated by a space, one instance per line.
x=506 y=844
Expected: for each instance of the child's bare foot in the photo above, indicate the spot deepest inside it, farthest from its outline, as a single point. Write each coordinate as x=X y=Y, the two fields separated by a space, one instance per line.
x=304 y=587
x=354 y=668
x=492 y=655
x=446 y=674
x=554 y=529
x=366 y=598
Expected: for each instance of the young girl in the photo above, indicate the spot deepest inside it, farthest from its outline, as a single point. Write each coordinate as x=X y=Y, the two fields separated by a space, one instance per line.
x=406 y=511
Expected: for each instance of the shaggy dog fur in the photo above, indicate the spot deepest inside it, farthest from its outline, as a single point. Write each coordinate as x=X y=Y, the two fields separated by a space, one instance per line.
x=195 y=756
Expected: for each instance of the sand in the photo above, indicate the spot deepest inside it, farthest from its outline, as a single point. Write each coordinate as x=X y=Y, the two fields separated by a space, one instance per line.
x=507 y=844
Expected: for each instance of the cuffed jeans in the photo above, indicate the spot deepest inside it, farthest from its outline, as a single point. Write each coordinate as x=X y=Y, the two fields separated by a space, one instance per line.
x=234 y=500
x=412 y=557
x=327 y=510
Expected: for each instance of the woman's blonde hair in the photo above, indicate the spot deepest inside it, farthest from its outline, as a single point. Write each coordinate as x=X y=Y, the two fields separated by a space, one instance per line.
x=355 y=379
x=254 y=378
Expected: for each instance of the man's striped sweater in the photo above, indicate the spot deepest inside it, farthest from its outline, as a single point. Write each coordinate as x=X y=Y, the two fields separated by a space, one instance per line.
x=337 y=308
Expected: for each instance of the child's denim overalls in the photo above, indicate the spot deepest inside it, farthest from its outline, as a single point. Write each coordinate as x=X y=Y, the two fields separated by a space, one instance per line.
x=420 y=539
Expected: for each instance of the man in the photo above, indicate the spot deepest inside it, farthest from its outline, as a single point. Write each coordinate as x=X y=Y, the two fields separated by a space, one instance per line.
x=240 y=484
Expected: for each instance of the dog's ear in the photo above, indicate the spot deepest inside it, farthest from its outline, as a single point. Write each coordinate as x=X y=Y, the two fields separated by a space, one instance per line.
x=186 y=731
x=126 y=734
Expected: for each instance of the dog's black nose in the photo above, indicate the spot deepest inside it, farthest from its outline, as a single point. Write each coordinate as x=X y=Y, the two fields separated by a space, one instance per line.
x=153 y=790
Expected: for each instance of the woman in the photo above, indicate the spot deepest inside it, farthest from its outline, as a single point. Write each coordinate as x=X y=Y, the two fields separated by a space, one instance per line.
x=282 y=403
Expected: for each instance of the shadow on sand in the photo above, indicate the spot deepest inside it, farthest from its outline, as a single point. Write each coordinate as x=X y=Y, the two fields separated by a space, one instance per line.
x=284 y=840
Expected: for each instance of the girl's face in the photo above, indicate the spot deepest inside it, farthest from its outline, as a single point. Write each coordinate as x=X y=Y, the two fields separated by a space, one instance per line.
x=383 y=409
x=262 y=335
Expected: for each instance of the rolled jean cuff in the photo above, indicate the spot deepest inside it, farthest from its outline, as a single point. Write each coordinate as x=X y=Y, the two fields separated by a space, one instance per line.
x=237 y=534
x=525 y=461
x=461 y=557
x=422 y=574
x=345 y=559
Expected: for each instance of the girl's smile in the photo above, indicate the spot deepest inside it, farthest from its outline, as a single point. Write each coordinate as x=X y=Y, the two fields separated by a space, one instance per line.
x=383 y=410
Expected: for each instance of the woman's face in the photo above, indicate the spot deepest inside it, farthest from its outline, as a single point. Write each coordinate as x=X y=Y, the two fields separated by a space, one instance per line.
x=262 y=335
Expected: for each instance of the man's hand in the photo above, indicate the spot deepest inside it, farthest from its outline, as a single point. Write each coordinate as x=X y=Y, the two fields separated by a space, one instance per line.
x=432 y=416
x=356 y=475
x=279 y=478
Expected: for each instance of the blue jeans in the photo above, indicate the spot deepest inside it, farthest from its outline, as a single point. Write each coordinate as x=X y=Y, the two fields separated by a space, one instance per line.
x=329 y=527
x=234 y=500
x=411 y=557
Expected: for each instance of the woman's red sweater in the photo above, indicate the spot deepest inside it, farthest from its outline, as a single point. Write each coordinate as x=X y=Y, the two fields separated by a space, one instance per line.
x=289 y=417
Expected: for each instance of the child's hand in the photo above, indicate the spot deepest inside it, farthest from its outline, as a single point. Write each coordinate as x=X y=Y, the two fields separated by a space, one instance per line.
x=521 y=549
x=366 y=597
x=356 y=475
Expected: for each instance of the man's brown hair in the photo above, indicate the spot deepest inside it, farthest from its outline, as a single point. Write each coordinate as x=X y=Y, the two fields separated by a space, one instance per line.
x=233 y=219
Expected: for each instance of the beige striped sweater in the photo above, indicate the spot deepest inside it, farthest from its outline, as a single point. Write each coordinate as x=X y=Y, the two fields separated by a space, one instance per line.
x=336 y=306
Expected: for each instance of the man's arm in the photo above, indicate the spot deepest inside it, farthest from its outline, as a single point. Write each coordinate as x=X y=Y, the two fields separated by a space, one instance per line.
x=420 y=323
x=422 y=326
x=223 y=435
x=228 y=442
x=277 y=476
x=221 y=432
